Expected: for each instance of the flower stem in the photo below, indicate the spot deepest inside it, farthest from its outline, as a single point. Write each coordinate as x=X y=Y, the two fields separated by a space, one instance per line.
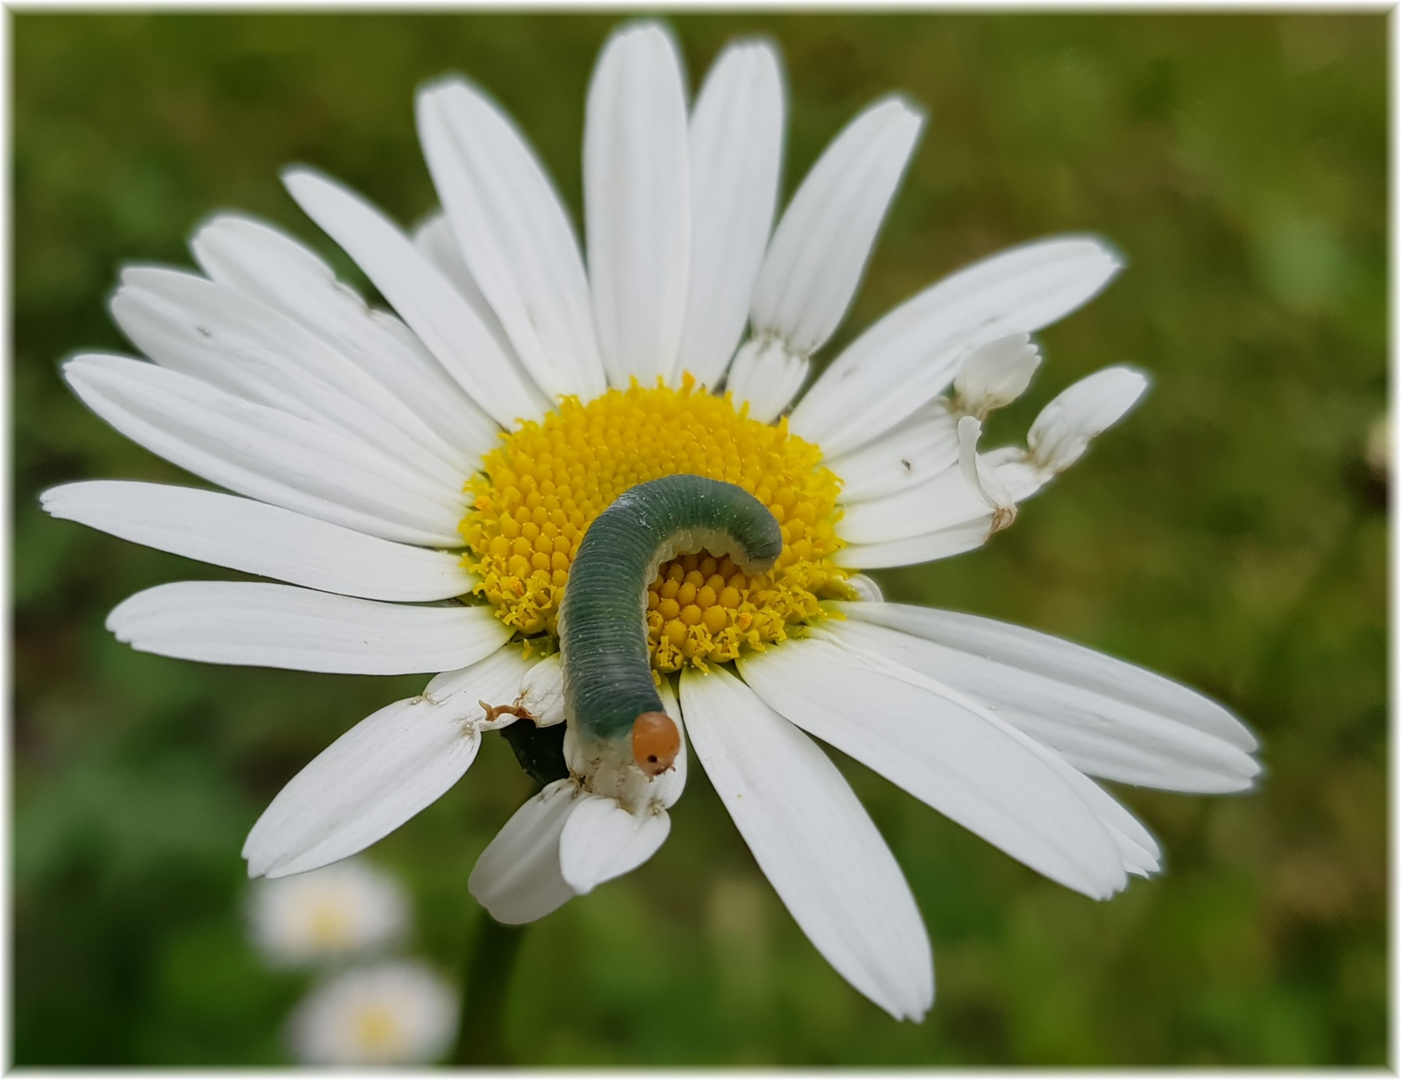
x=485 y=983
x=486 y=979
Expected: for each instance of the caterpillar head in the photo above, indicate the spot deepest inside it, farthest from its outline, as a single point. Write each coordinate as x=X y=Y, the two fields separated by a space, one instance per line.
x=655 y=742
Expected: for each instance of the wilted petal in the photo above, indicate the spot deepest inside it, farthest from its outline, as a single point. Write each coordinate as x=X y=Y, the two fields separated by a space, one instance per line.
x=911 y=355
x=1063 y=430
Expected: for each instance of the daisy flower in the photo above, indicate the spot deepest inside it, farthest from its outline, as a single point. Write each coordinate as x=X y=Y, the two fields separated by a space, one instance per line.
x=397 y=1013
x=421 y=480
x=327 y=914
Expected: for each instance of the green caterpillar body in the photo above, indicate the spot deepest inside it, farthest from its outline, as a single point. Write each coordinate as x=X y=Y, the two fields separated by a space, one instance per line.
x=602 y=620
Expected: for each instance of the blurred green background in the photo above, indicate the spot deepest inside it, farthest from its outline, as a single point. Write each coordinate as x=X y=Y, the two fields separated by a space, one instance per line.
x=1229 y=534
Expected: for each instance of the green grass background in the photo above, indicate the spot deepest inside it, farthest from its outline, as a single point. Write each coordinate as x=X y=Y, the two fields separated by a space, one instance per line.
x=1227 y=534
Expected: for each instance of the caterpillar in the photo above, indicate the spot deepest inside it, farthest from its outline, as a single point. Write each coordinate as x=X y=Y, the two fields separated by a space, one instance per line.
x=610 y=698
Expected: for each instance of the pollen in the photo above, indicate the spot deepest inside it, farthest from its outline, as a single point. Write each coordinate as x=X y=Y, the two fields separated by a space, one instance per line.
x=538 y=491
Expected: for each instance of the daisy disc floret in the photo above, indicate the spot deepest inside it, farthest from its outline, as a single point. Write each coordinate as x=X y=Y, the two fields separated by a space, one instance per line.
x=537 y=494
x=418 y=482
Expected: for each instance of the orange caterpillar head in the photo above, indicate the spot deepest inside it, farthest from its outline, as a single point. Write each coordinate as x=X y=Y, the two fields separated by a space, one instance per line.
x=655 y=742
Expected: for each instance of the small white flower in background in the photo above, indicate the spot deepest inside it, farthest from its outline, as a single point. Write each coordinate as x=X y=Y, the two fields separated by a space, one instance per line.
x=399 y=1013
x=338 y=911
x=422 y=480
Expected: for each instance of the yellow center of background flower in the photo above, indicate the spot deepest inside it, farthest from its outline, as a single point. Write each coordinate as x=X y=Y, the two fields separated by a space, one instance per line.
x=538 y=492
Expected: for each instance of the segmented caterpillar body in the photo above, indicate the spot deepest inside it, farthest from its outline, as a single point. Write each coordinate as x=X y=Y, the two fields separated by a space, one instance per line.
x=610 y=696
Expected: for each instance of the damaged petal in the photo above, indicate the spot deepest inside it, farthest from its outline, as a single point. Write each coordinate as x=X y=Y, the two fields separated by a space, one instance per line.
x=1065 y=427
x=995 y=374
x=542 y=692
x=981 y=479
x=765 y=375
x=865 y=588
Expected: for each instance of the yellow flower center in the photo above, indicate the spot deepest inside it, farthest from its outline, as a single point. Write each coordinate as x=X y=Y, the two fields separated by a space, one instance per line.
x=377 y=1029
x=329 y=924
x=538 y=492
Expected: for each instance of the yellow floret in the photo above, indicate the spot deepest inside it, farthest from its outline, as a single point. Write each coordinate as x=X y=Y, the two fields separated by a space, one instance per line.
x=540 y=489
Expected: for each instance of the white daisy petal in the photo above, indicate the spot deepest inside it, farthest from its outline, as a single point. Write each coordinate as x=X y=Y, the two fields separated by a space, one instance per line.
x=944 y=502
x=667 y=788
x=926 y=547
x=377 y=775
x=433 y=236
x=602 y=840
x=982 y=478
x=268 y=265
x=542 y=693
x=917 y=449
x=867 y=590
x=637 y=203
x=765 y=377
x=959 y=509
x=1063 y=430
x=1138 y=850
x=736 y=147
x=984 y=777
x=824 y=238
x=282 y=626
x=996 y=374
x=265 y=453
x=1134 y=846
x=1104 y=716
x=517 y=878
x=256 y=538
x=912 y=353
x=814 y=841
x=425 y=299
x=514 y=233
x=232 y=341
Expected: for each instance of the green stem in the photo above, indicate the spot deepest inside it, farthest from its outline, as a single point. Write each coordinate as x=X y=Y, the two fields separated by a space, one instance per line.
x=486 y=978
x=485 y=983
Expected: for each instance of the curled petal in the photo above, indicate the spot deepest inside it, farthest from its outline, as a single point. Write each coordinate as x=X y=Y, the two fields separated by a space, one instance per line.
x=1065 y=427
x=517 y=878
x=996 y=374
x=981 y=479
x=603 y=840
x=765 y=377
